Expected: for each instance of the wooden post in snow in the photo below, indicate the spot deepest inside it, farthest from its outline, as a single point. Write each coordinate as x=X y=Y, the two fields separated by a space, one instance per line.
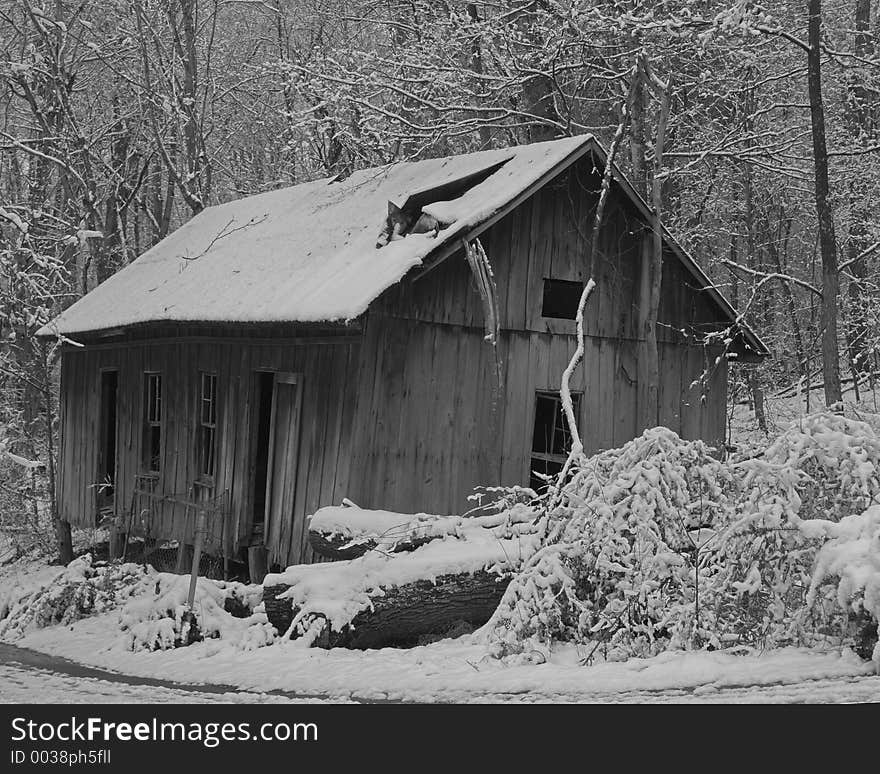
x=197 y=555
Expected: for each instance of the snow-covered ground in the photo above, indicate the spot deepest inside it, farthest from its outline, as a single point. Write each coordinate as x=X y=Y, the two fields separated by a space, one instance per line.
x=448 y=671
x=789 y=406
x=237 y=669
x=24 y=685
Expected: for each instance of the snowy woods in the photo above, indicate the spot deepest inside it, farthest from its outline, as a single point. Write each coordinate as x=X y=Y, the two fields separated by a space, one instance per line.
x=751 y=130
x=120 y=120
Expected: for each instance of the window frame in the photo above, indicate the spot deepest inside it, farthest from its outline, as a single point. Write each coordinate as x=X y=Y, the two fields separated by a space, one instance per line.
x=206 y=427
x=152 y=423
x=551 y=457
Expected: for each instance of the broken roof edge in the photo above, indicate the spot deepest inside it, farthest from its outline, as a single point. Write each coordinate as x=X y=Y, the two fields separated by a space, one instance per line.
x=590 y=143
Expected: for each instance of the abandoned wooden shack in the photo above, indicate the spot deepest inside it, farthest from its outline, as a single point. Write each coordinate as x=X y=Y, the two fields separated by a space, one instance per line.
x=287 y=350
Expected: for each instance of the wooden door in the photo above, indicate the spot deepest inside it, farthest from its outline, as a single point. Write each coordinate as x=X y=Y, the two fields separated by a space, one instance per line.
x=283 y=455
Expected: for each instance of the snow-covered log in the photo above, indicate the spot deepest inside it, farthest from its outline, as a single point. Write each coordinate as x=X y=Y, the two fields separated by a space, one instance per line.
x=393 y=598
x=347 y=532
x=402 y=613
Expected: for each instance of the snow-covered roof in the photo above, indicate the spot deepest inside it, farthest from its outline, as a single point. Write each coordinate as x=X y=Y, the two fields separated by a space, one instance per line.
x=308 y=253
x=305 y=253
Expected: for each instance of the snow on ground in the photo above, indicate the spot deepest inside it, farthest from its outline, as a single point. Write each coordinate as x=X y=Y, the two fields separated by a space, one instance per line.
x=22 y=685
x=782 y=409
x=459 y=671
x=23 y=577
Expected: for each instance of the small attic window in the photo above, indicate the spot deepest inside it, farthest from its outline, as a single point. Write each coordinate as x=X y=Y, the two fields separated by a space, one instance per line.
x=561 y=298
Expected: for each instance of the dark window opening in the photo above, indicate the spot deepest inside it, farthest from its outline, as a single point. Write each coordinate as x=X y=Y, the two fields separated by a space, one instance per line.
x=561 y=299
x=152 y=449
x=107 y=453
x=265 y=383
x=551 y=438
x=207 y=430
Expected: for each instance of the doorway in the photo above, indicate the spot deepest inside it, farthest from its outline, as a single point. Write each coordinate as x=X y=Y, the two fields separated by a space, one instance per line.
x=276 y=451
x=108 y=429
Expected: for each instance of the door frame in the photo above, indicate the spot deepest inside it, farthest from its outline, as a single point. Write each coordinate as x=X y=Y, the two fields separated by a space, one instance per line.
x=103 y=501
x=294 y=379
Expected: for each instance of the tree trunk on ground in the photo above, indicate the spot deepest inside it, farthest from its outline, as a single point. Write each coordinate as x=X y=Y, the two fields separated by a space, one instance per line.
x=827 y=239
x=402 y=614
x=332 y=546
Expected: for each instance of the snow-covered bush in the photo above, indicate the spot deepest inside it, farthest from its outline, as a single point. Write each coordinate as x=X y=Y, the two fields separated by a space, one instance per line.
x=660 y=545
x=79 y=590
x=825 y=464
x=619 y=565
x=822 y=467
x=849 y=565
x=161 y=619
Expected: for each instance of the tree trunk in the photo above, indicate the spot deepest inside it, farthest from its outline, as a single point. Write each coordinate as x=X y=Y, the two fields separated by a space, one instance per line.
x=637 y=131
x=402 y=614
x=63 y=537
x=827 y=239
x=862 y=127
x=652 y=279
x=334 y=546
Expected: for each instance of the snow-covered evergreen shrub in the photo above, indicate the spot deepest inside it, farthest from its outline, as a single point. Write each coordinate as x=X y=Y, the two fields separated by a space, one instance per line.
x=161 y=620
x=79 y=590
x=623 y=540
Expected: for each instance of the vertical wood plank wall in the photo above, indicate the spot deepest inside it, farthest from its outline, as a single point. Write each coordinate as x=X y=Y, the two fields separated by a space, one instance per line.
x=432 y=421
x=410 y=416
x=328 y=373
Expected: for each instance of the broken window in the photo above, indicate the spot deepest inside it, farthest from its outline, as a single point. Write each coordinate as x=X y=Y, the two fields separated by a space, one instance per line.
x=551 y=438
x=207 y=429
x=152 y=448
x=561 y=299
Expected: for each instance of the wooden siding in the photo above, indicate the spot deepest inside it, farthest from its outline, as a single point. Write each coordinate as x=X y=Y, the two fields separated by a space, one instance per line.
x=327 y=368
x=433 y=423
x=410 y=414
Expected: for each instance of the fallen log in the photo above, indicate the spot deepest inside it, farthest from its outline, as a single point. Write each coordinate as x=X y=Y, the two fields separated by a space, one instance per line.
x=347 y=532
x=401 y=614
x=338 y=547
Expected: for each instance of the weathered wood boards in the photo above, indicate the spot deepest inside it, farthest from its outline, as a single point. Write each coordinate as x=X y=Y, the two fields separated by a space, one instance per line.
x=323 y=442
x=404 y=410
x=401 y=614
